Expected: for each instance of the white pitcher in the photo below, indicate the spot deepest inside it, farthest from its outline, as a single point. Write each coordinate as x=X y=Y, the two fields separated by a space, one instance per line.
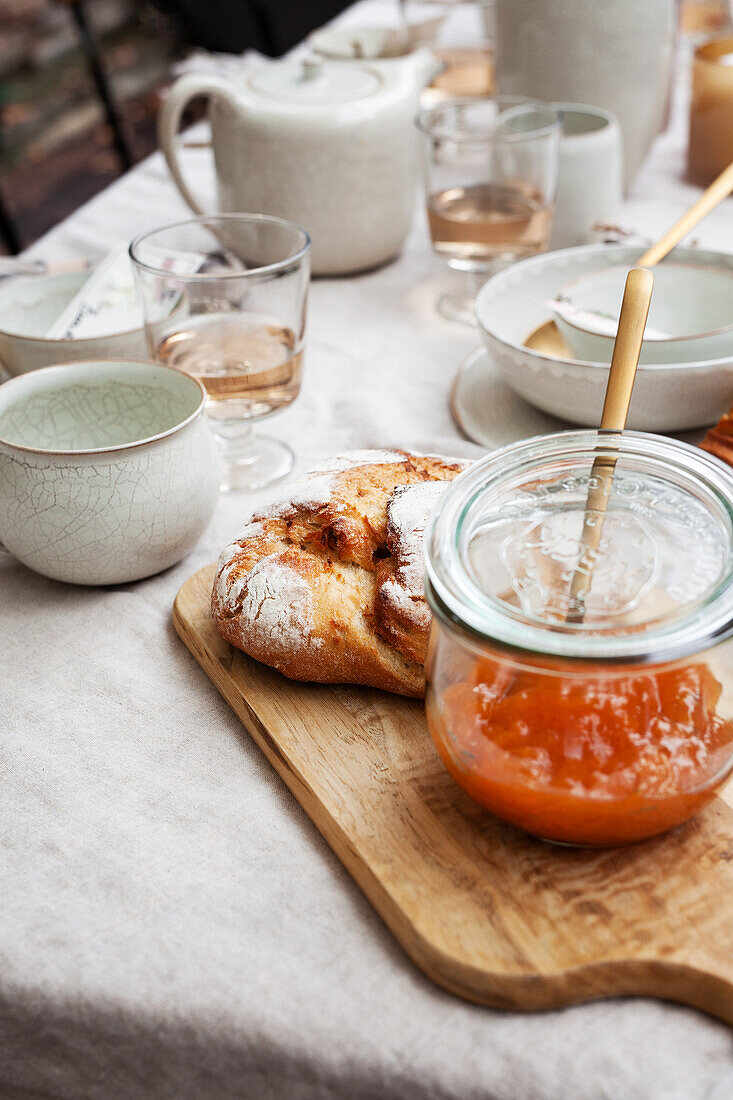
x=615 y=54
x=328 y=145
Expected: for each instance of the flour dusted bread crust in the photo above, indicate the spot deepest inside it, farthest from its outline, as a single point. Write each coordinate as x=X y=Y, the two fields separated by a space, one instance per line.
x=327 y=584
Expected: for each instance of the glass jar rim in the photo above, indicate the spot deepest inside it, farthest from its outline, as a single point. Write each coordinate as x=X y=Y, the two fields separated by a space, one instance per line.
x=455 y=595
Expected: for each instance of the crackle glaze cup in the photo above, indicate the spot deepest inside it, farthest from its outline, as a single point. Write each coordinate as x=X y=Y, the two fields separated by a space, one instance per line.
x=108 y=469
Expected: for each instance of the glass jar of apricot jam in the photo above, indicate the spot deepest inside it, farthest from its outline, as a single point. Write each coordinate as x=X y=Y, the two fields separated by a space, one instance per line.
x=591 y=714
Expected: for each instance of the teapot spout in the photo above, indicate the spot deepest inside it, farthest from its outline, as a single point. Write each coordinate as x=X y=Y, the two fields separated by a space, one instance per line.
x=410 y=72
x=425 y=66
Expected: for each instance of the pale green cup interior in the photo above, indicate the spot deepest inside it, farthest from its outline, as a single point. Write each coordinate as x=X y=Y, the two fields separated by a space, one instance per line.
x=95 y=406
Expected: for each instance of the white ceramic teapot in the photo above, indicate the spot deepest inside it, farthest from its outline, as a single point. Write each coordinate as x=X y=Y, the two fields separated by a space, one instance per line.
x=329 y=145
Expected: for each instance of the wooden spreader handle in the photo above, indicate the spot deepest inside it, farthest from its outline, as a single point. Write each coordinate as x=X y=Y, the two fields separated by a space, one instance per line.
x=718 y=190
x=626 y=351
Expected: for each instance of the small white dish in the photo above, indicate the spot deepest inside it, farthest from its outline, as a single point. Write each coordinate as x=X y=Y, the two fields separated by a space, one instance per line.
x=27 y=310
x=670 y=397
x=108 y=469
x=373 y=42
x=690 y=318
x=358 y=43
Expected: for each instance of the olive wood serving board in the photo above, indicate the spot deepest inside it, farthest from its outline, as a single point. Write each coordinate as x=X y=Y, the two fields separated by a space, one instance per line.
x=485 y=911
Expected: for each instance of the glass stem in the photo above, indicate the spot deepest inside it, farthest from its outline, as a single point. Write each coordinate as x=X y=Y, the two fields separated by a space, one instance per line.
x=236 y=440
x=473 y=281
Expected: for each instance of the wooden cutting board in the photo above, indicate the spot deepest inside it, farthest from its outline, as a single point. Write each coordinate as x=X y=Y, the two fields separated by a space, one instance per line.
x=485 y=911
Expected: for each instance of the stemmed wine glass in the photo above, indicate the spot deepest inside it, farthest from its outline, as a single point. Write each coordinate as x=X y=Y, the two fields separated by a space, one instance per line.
x=225 y=299
x=490 y=169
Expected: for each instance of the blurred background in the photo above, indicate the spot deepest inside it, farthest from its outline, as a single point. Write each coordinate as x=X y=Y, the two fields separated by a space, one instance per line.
x=81 y=82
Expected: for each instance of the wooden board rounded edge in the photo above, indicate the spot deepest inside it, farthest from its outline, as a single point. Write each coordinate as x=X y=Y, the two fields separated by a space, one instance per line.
x=704 y=983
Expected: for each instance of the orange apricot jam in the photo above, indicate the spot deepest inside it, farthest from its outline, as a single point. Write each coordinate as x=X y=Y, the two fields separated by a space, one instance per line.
x=597 y=760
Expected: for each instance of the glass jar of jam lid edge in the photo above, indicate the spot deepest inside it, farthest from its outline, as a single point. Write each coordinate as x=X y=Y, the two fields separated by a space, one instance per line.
x=669 y=501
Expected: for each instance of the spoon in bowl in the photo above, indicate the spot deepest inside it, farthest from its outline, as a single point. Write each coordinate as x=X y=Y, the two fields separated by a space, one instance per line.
x=552 y=343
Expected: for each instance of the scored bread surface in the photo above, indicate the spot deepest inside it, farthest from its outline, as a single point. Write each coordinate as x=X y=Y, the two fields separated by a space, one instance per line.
x=327 y=583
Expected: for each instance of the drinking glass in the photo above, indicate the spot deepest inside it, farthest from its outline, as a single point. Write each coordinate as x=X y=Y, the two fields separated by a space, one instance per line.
x=224 y=300
x=490 y=174
x=460 y=34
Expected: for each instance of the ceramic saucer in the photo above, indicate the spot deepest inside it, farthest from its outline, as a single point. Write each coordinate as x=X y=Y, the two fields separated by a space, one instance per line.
x=488 y=411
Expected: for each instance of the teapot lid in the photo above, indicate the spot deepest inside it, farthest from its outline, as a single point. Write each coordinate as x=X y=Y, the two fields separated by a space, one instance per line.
x=311 y=81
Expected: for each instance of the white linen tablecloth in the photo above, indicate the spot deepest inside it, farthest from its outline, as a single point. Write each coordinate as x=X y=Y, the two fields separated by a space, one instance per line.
x=171 y=923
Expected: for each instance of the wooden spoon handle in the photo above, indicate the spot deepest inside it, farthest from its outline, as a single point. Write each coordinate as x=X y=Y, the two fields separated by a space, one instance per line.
x=718 y=190
x=627 y=348
x=626 y=351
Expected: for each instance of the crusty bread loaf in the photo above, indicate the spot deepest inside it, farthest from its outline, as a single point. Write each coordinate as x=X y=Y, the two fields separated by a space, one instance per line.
x=327 y=584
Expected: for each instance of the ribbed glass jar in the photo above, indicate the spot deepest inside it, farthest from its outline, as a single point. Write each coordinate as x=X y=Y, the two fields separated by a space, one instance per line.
x=591 y=714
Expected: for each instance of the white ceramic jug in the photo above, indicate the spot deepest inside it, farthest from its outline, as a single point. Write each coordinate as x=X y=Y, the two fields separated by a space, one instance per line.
x=615 y=54
x=329 y=145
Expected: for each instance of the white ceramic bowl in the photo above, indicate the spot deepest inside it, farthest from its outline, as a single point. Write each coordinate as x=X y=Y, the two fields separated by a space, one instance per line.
x=372 y=43
x=108 y=469
x=667 y=397
x=29 y=307
x=692 y=304
x=358 y=43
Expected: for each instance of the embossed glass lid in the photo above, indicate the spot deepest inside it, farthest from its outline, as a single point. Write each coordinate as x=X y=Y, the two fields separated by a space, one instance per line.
x=507 y=539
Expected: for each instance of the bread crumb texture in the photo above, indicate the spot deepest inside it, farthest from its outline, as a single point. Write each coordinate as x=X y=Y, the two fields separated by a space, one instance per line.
x=326 y=582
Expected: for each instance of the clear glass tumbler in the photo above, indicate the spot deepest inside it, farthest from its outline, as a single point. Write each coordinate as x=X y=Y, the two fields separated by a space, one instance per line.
x=225 y=300
x=490 y=170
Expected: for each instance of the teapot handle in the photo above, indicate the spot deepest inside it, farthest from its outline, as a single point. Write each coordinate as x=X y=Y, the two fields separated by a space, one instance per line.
x=183 y=91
